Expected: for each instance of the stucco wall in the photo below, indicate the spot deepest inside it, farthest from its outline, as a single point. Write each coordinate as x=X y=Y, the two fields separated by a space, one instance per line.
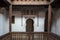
x=21 y=27
x=1 y=24
x=56 y=22
x=4 y=23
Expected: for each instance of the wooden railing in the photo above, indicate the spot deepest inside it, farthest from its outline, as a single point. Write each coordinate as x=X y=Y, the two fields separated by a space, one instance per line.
x=34 y=36
x=53 y=36
x=29 y=36
x=6 y=37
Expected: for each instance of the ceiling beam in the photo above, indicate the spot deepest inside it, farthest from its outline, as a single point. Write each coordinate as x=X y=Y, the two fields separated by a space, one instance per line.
x=7 y=1
x=56 y=4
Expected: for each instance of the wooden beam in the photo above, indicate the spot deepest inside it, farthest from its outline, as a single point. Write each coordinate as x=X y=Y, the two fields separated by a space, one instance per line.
x=7 y=1
x=10 y=17
x=49 y=18
x=0 y=9
x=46 y=22
x=30 y=3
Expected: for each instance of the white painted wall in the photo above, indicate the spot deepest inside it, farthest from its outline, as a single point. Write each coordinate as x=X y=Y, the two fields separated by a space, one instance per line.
x=56 y=22
x=4 y=23
x=1 y=24
x=17 y=27
x=39 y=27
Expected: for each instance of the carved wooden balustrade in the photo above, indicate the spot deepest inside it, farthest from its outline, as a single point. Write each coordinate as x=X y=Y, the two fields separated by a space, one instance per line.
x=29 y=36
x=33 y=36
x=30 y=2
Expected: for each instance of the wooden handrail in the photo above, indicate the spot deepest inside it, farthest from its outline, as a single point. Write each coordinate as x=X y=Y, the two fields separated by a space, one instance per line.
x=30 y=32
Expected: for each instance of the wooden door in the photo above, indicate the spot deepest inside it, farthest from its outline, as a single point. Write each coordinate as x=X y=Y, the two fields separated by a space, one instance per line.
x=29 y=25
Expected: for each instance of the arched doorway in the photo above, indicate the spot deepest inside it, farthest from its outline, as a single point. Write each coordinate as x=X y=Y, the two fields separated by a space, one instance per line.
x=29 y=25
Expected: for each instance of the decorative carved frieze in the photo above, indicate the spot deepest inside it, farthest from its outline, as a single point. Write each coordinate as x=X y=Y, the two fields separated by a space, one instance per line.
x=30 y=2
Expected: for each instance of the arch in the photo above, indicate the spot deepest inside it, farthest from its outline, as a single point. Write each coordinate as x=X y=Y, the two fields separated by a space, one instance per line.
x=29 y=25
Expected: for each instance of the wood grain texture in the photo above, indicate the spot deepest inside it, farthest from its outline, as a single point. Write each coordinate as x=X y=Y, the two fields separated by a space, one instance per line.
x=30 y=2
x=49 y=17
x=10 y=17
x=29 y=36
x=5 y=37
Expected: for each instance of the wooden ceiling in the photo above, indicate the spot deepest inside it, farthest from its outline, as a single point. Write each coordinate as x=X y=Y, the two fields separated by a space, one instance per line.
x=4 y=3
x=56 y=4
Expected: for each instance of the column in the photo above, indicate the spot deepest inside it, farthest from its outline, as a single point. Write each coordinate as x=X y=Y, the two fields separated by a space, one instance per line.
x=10 y=17
x=49 y=18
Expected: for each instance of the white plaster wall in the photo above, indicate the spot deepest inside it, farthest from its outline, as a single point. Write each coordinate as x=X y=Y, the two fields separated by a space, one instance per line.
x=56 y=22
x=39 y=26
x=1 y=24
x=17 y=27
x=4 y=22
x=20 y=26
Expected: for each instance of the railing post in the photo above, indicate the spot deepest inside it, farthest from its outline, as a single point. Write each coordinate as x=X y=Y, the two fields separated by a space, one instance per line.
x=49 y=19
